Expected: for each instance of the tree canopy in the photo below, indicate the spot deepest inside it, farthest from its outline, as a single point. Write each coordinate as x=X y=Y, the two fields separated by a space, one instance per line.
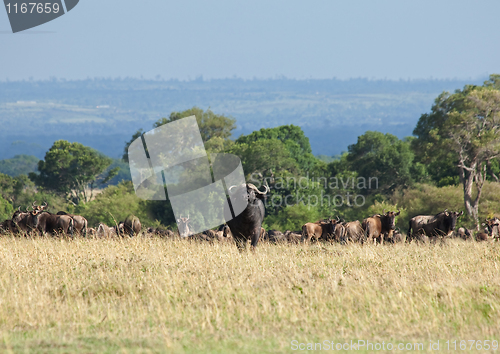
x=462 y=136
x=71 y=168
x=215 y=129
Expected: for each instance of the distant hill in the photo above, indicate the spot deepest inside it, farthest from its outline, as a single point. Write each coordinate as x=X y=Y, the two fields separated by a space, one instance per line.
x=104 y=113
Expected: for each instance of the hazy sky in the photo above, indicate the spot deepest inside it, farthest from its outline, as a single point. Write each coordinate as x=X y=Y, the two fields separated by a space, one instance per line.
x=262 y=39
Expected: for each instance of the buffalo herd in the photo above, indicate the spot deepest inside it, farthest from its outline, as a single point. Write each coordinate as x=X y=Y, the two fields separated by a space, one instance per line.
x=247 y=226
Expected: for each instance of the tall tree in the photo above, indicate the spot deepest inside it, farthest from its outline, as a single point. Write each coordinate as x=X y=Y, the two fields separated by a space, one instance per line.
x=215 y=129
x=72 y=169
x=385 y=157
x=293 y=138
x=464 y=130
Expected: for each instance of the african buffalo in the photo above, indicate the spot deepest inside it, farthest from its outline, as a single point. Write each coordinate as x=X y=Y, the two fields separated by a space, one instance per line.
x=46 y=222
x=321 y=229
x=79 y=221
x=377 y=225
x=247 y=224
x=132 y=225
x=353 y=232
x=433 y=226
x=8 y=226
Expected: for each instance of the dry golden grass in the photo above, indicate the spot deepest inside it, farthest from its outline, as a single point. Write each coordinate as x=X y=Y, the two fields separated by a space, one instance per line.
x=153 y=295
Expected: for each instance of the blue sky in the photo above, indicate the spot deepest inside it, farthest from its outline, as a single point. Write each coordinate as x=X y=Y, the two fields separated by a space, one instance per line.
x=258 y=39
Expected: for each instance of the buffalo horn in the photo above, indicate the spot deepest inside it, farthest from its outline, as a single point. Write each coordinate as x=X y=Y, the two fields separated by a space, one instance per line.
x=255 y=188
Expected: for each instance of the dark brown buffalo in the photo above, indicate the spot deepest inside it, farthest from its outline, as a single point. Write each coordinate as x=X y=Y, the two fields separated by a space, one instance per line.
x=247 y=224
x=8 y=226
x=319 y=230
x=482 y=236
x=46 y=222
x=24 y=221
x=132 y=225
x=293 y=236
x=353 y=232
x=433 y=226
x=376 y=226
x=79 y=221
x=161 y=232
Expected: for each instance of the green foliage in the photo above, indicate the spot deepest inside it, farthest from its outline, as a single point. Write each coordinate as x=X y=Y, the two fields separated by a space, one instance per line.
x=115 y=203
x=69 y=168
x=215 y=129
x=385 y=157
x=264 y=154
x=293 y=139
x=6 y=209
x=123 y=173
x=292 y=218
x=425 y=199
x=19 y=165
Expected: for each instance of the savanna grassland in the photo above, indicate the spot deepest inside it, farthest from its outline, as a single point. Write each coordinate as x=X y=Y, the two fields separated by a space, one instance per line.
x=153 y=295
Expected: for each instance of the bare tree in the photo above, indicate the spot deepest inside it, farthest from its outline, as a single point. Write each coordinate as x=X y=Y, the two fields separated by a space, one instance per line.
x=473 y=132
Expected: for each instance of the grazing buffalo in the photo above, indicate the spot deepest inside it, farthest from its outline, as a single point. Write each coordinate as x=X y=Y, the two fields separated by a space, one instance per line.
x=132 y=225
x=376 y=226
x=8 y=226
x=293 y=236
x=321 y=229
x=161 y=232
x=433 y=226
x=247 y=224
x=463 y=233
x=79 y=221
x=482 y=236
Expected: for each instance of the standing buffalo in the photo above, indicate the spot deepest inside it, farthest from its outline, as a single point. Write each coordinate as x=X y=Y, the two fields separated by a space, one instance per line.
x=353 y=232
x=46 y=222
x=320 y=229
x=439 y=225
x=132 y=225
x=23 y=221
x=246 y=225
x=377 y=225
x=79 y=221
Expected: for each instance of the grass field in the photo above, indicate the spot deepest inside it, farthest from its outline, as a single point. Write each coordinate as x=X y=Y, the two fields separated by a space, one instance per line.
x=148 y=295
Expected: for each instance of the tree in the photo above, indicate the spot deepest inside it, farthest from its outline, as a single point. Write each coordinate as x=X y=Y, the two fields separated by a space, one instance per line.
x=215 y=129
x=464 y=127
x=385 y=157
x=71 y=169
x=293 y=139
x=265 y=154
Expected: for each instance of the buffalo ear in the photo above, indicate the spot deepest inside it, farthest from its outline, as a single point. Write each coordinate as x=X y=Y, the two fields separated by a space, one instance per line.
x=461 y=213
